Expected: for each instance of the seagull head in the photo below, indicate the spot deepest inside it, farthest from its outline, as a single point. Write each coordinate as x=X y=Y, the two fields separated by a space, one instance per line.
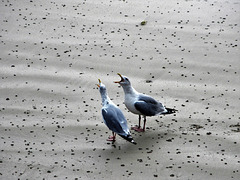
x=103 y=92
x=102 y=87
x=124 y=80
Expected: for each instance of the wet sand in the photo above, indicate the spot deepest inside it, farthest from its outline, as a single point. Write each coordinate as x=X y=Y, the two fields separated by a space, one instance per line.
x=186 y=55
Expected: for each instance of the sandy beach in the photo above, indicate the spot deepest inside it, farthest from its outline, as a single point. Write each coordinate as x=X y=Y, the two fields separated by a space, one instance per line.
x=184 y=53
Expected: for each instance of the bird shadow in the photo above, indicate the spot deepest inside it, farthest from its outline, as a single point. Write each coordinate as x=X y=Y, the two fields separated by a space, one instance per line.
x=146 y=142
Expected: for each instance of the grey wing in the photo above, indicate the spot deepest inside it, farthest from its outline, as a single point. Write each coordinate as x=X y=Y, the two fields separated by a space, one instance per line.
x=122 y=120
x=115 y=120
x=149 y=106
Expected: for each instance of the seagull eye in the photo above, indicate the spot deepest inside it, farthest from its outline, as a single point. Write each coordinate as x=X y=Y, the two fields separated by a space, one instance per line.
x=127 y=79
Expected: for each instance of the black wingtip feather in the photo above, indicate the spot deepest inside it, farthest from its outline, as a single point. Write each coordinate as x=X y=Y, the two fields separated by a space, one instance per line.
x=129 y=139
x=133 y=142
x=170 y=111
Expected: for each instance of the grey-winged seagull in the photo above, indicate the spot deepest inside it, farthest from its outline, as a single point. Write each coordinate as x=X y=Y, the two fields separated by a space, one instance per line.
x=113 y=117
x=141 y=104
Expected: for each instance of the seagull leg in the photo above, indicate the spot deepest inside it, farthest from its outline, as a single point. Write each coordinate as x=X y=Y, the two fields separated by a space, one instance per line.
x=138 y=128
x=139 y=124
x=144 y=123
x=112 y=138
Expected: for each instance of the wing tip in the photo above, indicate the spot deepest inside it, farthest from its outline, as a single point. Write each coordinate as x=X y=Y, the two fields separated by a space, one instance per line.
x=129 y=139
x=133 y=142
x=170 y=111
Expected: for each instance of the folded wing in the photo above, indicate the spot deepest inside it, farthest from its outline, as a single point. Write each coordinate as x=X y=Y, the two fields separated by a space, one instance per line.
x=115 y=120
x=149 y=106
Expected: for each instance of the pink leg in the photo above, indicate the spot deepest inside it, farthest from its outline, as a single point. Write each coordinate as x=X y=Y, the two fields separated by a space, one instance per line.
x=138 y=127
x=112 y=138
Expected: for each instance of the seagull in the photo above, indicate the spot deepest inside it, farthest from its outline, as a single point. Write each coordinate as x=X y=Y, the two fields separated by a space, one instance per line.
x=113 y=117
x=141 y=104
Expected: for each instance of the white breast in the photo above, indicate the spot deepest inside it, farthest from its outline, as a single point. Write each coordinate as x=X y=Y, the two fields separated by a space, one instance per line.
x=129 y=103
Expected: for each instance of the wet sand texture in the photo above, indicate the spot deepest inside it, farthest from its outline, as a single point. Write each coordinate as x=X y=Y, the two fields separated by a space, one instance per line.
x=184 y=53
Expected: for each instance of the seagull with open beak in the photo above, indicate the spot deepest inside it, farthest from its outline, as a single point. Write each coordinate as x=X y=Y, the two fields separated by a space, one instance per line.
x=113 y=117
x=141 y=104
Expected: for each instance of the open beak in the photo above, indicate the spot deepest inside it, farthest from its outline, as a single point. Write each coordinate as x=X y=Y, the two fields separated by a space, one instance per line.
x=120 y=77
x=99 y=83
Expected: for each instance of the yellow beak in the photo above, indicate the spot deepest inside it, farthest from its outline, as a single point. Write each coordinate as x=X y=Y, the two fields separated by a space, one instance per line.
x=120 y=77
x=99 y=82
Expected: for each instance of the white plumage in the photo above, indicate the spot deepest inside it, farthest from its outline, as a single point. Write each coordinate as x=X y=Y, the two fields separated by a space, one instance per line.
x=113 y=117
x=141 y=104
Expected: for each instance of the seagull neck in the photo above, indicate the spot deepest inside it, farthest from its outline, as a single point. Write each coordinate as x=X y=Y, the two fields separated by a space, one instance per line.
x=129 y=90
x=105 y=99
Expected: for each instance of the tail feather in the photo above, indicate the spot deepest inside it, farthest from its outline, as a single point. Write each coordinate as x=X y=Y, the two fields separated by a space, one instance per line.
x=170 y=111
x=128 y=138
